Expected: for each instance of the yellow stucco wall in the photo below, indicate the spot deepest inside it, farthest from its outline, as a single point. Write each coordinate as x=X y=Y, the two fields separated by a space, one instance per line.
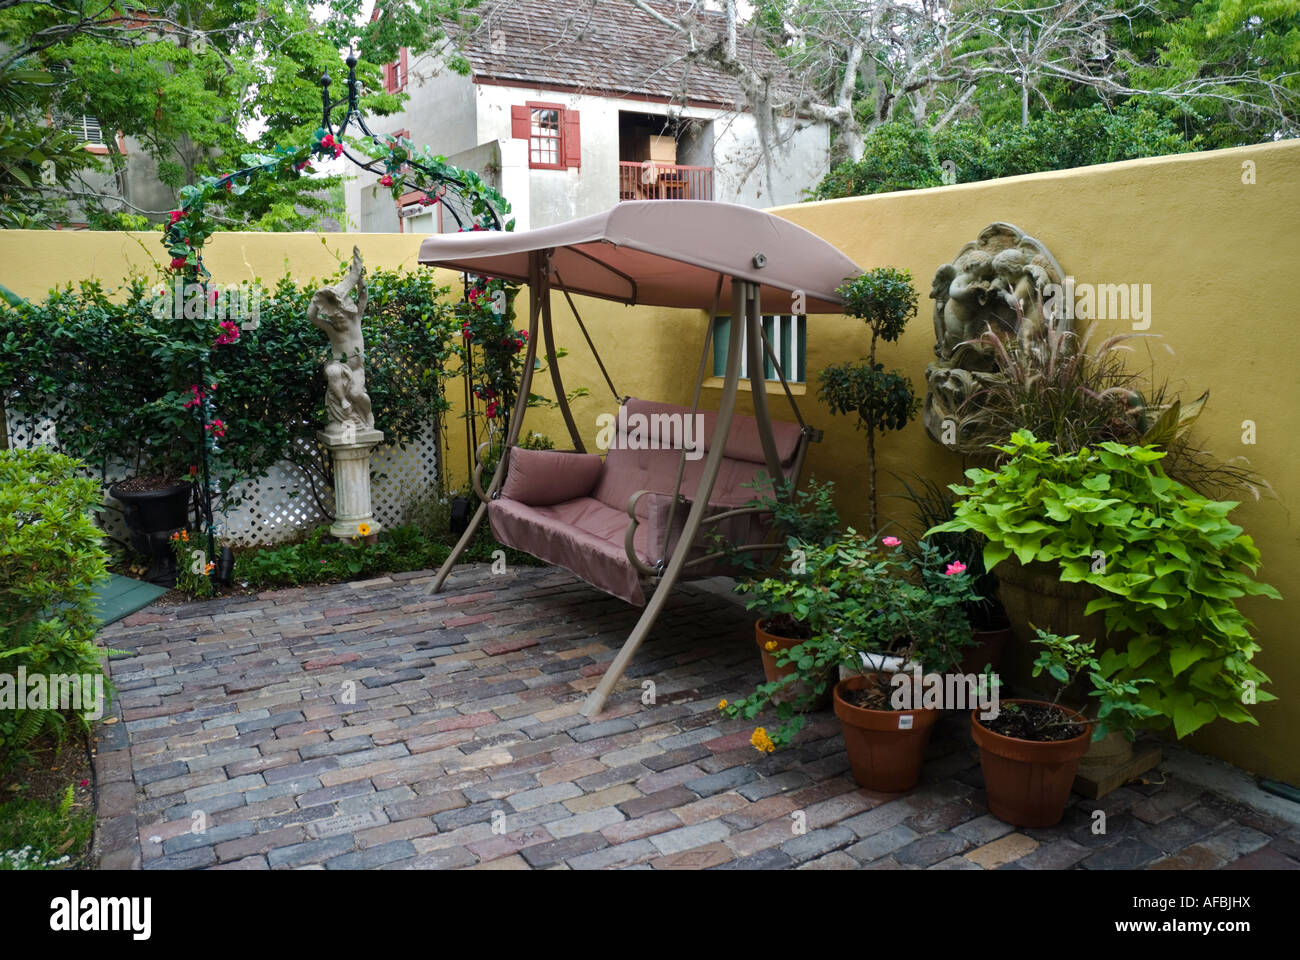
x=1217 y=252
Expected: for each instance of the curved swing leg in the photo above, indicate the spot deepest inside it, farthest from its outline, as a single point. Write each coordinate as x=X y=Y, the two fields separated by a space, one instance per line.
x=726 y=407
x=457 y=550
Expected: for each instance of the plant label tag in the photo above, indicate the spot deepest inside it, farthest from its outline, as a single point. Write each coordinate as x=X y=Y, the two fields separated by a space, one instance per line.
x=905 y=722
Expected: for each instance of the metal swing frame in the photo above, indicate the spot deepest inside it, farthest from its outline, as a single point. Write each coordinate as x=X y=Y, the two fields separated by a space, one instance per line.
x=647 y=229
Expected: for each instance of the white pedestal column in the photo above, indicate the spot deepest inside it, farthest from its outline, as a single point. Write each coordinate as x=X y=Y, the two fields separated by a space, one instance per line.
x=351 y=452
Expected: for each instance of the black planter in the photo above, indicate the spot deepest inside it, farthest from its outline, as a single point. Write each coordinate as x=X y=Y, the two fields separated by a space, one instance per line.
x=151 y=517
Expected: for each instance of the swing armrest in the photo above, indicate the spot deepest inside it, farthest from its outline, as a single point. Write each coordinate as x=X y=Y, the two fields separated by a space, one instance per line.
x=656 y=519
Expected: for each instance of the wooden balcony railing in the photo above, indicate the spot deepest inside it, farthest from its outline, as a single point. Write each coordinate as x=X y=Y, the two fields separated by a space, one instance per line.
x=647 y=180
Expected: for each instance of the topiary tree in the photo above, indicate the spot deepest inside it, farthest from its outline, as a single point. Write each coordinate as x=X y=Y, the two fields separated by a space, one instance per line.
x=885 y=300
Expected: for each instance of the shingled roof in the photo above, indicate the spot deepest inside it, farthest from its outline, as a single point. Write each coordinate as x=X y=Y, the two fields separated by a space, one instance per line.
x=600 y=46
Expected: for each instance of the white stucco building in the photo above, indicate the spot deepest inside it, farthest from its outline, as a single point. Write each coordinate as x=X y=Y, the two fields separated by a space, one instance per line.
x=573 y=105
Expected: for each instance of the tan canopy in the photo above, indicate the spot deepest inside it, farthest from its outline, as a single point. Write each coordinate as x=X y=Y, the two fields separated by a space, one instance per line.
x=664 y=253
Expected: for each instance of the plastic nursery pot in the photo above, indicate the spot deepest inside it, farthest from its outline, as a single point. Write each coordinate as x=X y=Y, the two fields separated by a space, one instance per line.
x=772 y=672
x=886 y=747
x=1029 y=781
x=153 y=511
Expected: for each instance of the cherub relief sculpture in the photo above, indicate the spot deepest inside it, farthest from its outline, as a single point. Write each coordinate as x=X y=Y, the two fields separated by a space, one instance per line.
x=996 y=282
x=339 y=315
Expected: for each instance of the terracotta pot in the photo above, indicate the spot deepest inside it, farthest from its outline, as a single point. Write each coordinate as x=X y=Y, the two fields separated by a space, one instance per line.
x=988 y=649
x=1028 y=781
x=772 y=672
x=886 y=747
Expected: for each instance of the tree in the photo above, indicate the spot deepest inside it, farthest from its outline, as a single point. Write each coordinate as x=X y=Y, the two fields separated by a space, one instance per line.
x=202 y=83
x=863 y=63
x=884 y=299
x=32 y=156
x=902 y=156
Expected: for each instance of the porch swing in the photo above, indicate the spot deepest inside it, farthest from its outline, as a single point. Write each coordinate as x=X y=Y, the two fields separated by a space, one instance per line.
x=624 y=524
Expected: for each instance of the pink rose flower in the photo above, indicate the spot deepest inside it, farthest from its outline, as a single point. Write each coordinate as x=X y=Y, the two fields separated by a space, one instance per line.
x=891 y=541
x=955 y=568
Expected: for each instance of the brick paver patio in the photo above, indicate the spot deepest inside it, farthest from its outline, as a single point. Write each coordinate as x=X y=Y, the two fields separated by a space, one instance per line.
x=369 y=725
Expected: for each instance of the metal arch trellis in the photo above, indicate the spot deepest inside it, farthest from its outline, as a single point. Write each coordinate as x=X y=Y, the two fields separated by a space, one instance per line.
x=472 y=204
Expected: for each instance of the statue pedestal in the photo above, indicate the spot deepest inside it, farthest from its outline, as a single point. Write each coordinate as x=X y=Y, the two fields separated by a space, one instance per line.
x=351 y=452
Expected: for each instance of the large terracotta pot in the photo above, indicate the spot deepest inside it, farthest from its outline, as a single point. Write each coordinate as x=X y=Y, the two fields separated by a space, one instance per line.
x=772 y=672
x=1035 y=594
x=1028 y=781
x=886 y=747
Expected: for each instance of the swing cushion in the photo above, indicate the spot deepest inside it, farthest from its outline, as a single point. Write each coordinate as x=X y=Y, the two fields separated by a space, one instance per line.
x=541 y=478
x=586 y=534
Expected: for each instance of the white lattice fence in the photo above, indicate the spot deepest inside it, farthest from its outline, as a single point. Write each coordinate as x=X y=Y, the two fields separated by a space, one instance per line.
x=281 y=506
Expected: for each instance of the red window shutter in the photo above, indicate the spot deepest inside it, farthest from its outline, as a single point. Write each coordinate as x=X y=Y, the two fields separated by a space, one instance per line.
x=572 y=139
x=390 y=80
x=404 y=75
x=521 y=120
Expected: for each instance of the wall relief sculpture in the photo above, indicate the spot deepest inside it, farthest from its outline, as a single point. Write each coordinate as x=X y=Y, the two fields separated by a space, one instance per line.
x=996 y=282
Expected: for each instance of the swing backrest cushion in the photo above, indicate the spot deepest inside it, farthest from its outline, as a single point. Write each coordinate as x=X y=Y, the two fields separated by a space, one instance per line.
x=541 y=478
x=629 y=470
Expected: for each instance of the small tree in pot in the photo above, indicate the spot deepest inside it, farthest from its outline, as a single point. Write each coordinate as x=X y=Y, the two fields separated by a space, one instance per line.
x=885 y=300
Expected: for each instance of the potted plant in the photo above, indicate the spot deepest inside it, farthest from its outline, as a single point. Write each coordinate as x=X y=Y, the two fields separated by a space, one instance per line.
x=1050 y=382
x=1031 y=749
x=932 y=504
x=799 y=516
x=874 y=611
x=885 y=300
x=1166 y=564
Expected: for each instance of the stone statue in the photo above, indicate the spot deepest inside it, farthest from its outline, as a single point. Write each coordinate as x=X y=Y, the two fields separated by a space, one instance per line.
x=334 y=311
x=998 y=282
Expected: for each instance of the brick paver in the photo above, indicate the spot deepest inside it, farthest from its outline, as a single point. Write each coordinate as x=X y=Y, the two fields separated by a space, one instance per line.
x=369 y=726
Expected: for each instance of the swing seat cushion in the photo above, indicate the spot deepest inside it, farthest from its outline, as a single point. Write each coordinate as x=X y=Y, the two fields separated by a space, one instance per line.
x=586 y=534
x=541 y=478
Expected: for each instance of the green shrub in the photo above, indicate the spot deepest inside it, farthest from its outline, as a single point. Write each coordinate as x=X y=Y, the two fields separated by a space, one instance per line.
x=51 y=558
x=321 y=558
x=1167 y=562
x=110 y=375
x=901 y=156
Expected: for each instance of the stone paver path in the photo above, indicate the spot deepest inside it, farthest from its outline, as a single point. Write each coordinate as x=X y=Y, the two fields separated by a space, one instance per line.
x=368 y=725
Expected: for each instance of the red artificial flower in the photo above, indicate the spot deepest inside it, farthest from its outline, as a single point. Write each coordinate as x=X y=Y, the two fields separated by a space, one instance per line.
x=428 y=201
x=178 y=263
x=217 y=427
x=329 y=143
x=492 y=409
x=465 y=332
x=176 y=215
x=194 y=471
x=230 y=185
x=85 y=783
x=386 y=180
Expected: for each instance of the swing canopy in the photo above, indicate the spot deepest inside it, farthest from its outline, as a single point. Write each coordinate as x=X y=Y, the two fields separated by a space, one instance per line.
x=666 y=253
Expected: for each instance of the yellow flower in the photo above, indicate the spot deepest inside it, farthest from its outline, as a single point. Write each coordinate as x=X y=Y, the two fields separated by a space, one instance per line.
x=363 y=529
x=208 y=568
x=761 y=741
x=722 y=704
x=770 y=646
x=185 y=535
